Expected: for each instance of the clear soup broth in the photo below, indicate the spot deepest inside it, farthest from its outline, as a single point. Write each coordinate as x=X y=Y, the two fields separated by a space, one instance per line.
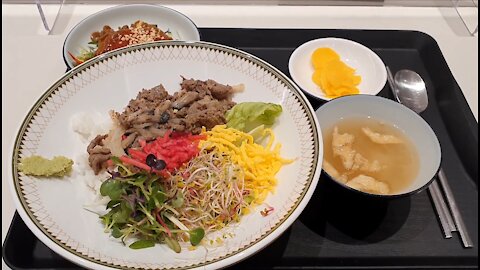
x=370 y=155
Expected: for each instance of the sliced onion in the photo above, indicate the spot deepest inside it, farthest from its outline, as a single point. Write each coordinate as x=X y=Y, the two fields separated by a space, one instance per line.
x=114 y=140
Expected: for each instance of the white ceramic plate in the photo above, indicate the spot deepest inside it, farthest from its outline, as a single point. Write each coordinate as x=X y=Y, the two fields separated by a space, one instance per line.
x=181 y=26
x=367 y=64
x=53 y=209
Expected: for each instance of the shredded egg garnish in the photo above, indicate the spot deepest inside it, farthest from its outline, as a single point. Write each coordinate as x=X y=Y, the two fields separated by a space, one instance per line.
x=260 y=163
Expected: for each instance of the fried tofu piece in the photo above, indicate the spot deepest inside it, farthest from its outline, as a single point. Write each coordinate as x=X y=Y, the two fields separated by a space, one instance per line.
x=342 y=147
x=328 y=167
x=352 y=160
x=360 y=163
x=368 y=184
x=381 y=138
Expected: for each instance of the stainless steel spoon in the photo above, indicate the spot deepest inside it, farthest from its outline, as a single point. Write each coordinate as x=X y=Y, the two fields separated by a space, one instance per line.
x=410 y=90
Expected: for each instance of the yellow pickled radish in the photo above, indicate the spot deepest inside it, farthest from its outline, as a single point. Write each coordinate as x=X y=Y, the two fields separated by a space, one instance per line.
x=338 y=74
x=322 y=56
x=317 y=77
x=325 y=84
x=357 y=80
x=332 y=75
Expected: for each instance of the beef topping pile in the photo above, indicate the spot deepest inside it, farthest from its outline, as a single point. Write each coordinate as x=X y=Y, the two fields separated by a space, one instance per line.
x=154 y=111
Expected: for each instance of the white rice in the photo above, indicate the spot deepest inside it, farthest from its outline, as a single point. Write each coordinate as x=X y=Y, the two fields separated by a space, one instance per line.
x=87 y=126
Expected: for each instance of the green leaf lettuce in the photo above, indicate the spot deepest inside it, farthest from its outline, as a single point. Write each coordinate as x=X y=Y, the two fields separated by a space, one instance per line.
x=248 y=115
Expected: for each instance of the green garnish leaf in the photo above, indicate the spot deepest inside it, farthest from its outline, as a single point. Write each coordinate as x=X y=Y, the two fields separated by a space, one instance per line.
x=112 y=203
x=107 y=218
x=156 y=200
x=138 y=181
x=196 y=236
x=112 y=188
x=121 y=213
x=151 y=204
x=120 y=217
x=142 y=244
x=124 y=171
x=158 y=193
x=116 y=232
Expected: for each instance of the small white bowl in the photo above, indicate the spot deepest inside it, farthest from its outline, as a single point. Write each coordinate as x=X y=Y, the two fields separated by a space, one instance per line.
x=182 y=27
x=367 y=64
x=411 y=124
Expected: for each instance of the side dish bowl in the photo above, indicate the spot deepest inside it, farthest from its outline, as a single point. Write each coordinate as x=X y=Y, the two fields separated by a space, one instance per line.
x=366 y=63
x=407 y=121
x=180 y=26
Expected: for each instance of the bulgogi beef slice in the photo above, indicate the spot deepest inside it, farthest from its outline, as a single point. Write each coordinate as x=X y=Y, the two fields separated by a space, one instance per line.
x=144 y=106
x=129 y=139
x=207 y=112
x=155 y=94
x=98 y=140
x=98 y=154
x=210 y=103
x=210 y=87
x=98 y=162
x=205 y=118
x=194 y=85
x=178 y=124
x=184 y=99
x=220 y=91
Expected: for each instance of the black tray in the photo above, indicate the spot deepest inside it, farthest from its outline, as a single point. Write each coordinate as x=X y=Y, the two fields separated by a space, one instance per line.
x=336 y=231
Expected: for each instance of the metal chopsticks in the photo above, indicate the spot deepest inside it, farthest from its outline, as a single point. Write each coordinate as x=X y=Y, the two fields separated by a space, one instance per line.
x=457 y=218
x=449 y=224
x=441 y=209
